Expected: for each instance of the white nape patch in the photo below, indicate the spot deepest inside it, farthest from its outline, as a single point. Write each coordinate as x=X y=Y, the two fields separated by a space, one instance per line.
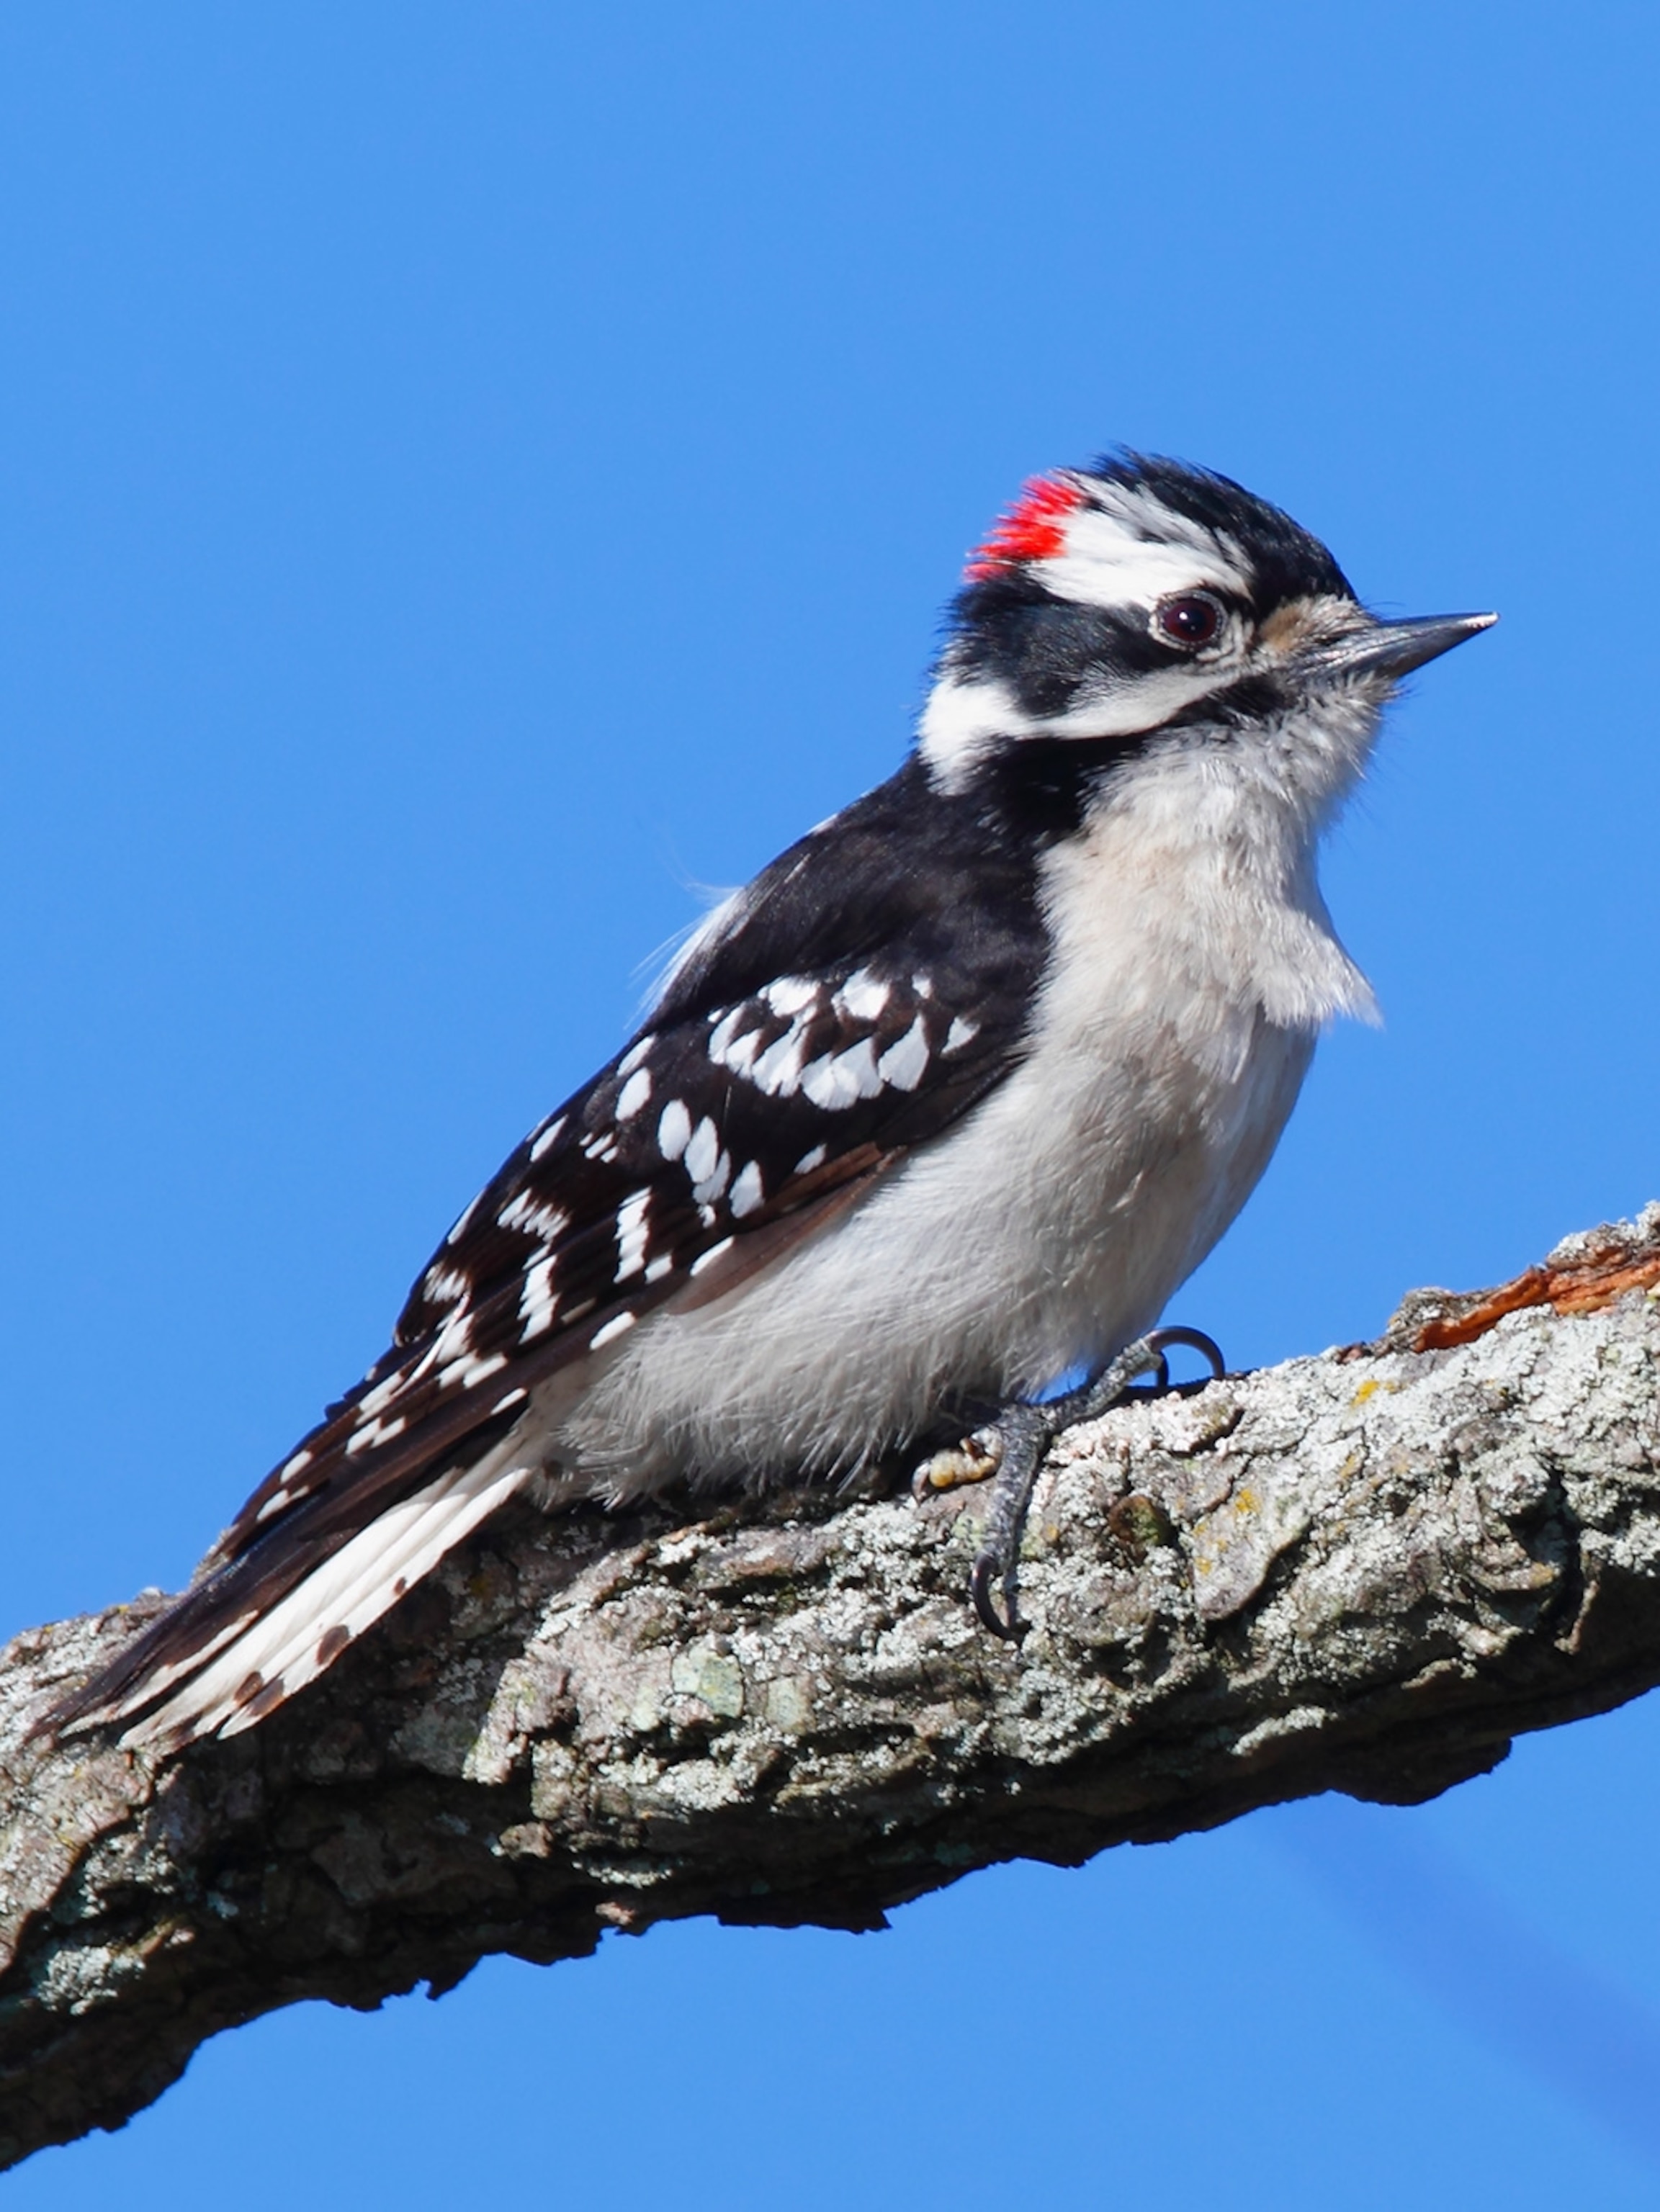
x=633 y=1094
x=814 y=1158
x=841 y=1079
x=619 y=1325
x=863 y=997
x=632 y=1235
x=673 y=1129
x=788 y=994
x=905 y=1063
x=702 y=1151
x=715 y=1252
x=960 y=1033
x=636 y=1055
x=527 y=1213
x=661 y=1266
x=746 y=1191
x=546 y=1136
x=963 y=719
x=537 y=1302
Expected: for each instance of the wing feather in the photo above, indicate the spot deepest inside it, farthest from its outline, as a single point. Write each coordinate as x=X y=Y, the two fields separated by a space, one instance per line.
x=752 y=1107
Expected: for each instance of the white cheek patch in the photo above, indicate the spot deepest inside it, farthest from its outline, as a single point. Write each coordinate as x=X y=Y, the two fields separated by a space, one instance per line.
x=966 y=718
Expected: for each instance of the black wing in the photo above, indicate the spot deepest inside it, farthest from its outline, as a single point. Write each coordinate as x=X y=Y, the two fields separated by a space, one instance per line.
x=850 y=1005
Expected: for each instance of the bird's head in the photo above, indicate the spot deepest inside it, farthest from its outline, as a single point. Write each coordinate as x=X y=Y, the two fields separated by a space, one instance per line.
x=1143 y=603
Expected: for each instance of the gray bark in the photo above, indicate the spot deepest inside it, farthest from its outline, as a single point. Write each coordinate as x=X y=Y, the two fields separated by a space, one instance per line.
x=1364 y=1571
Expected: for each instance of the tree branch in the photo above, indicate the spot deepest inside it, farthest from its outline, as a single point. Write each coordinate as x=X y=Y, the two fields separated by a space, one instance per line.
x=1366 y=1571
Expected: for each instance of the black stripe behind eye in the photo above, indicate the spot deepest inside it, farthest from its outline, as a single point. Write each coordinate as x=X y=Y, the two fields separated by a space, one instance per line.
x=1047 y=652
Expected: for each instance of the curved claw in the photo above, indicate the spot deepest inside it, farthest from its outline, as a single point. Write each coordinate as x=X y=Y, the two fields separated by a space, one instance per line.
x=1160 y=1340
x=1012 y=1629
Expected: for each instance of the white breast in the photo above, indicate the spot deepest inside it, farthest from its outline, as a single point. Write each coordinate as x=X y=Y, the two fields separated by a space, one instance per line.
x=1194 y=966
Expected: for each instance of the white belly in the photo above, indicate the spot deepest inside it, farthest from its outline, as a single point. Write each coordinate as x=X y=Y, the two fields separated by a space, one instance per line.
x=1048 y=1229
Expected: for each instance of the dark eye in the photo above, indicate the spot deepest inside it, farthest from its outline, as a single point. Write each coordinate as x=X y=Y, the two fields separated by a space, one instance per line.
x=1194 y=620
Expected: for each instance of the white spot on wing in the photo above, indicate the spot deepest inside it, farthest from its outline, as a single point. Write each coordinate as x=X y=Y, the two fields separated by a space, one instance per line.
x=863 y=996
x=838 y=1081
x=527 y=1211
x=673 y=1129
x=746 y=1191
x=619 y=1325
x=373 y=1400
x=470 y=1373
x=740 y=1056
x=809 y=1160
x=778 y=1071
x=725 y=1030
x=536 y=1301
x=547 y=1135
x=702 y=1150
x=959 y=1034
x=632 y=1235
x=377 y=1432
x=715 y=1183
x=633 y=1094
x=788 y=995
x=634 y=1054
x=904 y=1063
x=715 y=1252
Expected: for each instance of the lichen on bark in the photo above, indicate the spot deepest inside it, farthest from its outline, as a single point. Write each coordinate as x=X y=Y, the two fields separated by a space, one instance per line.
x=1366 y=1571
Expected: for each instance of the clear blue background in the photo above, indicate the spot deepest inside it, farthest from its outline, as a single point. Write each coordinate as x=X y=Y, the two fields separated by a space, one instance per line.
x=470 y=476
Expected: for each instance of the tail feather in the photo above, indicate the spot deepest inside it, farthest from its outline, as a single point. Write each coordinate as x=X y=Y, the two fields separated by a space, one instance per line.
x=259 y=1663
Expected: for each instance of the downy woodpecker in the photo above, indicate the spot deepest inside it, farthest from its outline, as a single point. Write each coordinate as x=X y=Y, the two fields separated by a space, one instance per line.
x=944 y=1104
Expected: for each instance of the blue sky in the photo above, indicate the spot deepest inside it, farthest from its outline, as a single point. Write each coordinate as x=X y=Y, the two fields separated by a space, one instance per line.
x=469 y=478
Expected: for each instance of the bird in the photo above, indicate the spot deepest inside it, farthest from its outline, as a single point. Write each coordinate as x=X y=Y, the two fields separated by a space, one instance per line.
x=939 y=1109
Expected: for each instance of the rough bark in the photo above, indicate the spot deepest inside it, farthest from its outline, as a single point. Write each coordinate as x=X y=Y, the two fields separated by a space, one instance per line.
x=1365 y=1571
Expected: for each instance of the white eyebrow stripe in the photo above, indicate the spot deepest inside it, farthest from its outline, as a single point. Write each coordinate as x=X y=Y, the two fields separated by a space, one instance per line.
x=1108 y=560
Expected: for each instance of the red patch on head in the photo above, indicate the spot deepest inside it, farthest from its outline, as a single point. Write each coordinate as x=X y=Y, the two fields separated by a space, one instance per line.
x=1034 y=529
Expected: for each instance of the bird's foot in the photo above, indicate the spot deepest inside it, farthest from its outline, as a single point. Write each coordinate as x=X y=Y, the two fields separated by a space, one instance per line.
x=1012 y=1448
